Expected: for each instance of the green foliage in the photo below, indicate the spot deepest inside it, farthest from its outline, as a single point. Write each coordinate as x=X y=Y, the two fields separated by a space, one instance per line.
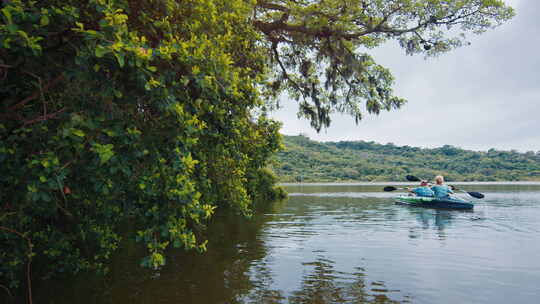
x=125 y=110
x=320 y=49
x=311 y=161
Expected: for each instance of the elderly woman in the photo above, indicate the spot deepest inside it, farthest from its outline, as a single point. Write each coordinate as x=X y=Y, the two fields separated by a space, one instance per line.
x=440 y=189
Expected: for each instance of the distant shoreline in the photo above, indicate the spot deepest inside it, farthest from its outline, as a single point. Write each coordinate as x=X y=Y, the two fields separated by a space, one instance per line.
x=304 y=160
x=524 y=183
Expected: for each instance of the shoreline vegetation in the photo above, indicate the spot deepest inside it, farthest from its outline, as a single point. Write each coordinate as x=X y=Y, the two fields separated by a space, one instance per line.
x=309 y=161
x=368 y=184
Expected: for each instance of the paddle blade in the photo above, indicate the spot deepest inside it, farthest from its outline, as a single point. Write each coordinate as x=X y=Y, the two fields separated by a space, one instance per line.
x=476 y=194
x=389 y=188
x=412 y=178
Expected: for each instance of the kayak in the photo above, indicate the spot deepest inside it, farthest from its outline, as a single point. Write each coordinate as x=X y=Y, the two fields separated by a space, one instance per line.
x=432 y=202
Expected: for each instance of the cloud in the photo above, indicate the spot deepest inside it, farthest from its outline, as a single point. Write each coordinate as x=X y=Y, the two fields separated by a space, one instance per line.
x=483 y=96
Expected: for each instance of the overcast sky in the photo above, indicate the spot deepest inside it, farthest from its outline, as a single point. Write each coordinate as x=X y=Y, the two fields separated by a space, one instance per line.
x=486 y=95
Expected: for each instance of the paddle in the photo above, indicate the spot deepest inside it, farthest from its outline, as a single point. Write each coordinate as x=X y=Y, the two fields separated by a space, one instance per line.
x=392 y=188
x=413 y=178
x=472 y=193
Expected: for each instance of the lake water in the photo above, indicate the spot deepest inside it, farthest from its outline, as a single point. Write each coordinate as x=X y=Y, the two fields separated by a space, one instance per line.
x=342 y=244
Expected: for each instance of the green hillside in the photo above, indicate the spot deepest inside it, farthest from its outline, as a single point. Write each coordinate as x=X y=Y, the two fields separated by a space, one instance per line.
x=311 y=161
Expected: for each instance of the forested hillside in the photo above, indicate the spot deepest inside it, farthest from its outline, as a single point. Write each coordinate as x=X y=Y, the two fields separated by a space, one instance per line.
x=307 y=160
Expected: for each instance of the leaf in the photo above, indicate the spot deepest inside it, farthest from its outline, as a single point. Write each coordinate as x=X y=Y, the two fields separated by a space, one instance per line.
x=78 y=132
x=110 y=133
x=7 y=13
x=105 y=152
x=45 y=163
x=45 y=196
x=12 y=28
x=184 y=80
x=44 y=20
x=120 y=58
x=101 y=51
x=6 y=42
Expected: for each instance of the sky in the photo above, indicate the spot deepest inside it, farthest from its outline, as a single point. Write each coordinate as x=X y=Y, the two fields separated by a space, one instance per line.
x=482 y=96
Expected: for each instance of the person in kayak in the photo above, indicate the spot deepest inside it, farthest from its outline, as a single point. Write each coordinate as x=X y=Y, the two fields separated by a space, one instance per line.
x=423 y=190
x=440 y=189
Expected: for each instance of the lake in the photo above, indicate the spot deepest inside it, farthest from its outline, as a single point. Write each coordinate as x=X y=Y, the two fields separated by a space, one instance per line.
x=342 y=243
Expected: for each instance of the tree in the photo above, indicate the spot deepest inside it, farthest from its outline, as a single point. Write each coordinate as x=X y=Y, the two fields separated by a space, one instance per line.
x=116 y=112
x=319 y=48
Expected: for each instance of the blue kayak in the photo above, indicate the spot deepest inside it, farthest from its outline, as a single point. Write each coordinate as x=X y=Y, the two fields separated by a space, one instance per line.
x=432 y=202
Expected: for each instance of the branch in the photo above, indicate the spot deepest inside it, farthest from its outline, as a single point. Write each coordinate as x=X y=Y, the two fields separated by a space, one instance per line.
x=283 y=69
x=6 y=289
x=280 y=25
x=30 y=245
x=432 y=20
x=387 y=16
x=456 y=18
x=272 y=6
x=37 y=93
x=44 y=117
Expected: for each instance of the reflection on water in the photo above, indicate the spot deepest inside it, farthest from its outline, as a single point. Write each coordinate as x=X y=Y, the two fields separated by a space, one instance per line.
x=437 y=220
x=432 y=219
x=238 y=268
x=341 y=244
x=221 y=275
x=323 y=284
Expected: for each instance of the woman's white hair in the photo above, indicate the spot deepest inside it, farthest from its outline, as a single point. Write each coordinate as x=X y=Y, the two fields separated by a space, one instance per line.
x=439 y=179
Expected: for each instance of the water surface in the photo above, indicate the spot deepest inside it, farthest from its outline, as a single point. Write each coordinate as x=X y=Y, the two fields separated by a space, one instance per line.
x=343 y=244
